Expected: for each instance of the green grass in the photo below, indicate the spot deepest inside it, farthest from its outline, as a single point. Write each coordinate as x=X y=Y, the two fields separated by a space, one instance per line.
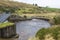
x=54 y=31
x=3 y=25
x=25 y=8
x=37 y=10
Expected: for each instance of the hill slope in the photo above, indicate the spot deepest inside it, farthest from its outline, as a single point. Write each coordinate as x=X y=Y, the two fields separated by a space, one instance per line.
x=25 y=8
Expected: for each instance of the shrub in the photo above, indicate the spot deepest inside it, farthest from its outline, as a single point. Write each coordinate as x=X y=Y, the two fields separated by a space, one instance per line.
x=57 y=19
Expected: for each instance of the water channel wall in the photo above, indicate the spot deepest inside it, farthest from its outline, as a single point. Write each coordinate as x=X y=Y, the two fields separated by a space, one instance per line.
x=8 y=31
x=15 y=18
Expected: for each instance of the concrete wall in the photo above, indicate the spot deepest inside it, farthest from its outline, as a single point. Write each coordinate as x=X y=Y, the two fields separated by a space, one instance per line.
x=0 y=32
x=8 y=31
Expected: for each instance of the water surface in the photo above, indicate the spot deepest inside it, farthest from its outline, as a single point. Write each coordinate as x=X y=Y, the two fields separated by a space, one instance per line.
x=27 y=29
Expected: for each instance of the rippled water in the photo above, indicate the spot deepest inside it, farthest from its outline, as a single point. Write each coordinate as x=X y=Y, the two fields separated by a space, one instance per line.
x=27 y=29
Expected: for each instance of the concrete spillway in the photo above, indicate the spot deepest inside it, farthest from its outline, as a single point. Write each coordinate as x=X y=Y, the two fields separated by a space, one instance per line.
x=4 y=16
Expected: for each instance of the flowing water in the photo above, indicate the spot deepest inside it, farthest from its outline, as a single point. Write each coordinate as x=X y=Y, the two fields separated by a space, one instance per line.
x=29 y=28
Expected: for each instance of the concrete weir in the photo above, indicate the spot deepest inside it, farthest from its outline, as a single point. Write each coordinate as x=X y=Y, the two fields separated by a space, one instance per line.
x=15 y=18
x=8 y=32
x=8 y=38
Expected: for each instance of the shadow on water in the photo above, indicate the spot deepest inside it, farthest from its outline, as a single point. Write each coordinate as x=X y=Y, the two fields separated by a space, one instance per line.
x=27 y=29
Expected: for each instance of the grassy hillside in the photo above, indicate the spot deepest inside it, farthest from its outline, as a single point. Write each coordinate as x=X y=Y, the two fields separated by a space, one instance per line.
x=12 y=5
x=25 y=8
x=52 y=33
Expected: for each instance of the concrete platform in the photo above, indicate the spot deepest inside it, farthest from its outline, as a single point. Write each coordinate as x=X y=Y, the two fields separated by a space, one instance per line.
x=13 y=38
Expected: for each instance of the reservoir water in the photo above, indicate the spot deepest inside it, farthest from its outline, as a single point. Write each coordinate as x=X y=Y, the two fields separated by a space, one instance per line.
x=29 y=28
